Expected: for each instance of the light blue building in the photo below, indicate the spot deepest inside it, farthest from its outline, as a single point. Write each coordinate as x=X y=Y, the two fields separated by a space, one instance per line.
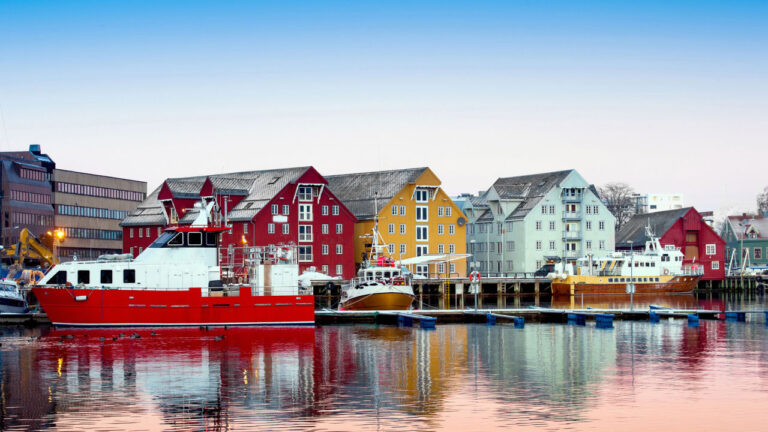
x=521 y=223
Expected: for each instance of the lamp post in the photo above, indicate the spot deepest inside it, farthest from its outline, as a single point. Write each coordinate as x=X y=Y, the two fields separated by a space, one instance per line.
x=631 y=285
x=58 y=236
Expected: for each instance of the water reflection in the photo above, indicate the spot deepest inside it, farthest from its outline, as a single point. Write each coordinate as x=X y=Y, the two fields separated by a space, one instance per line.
x=547 y=376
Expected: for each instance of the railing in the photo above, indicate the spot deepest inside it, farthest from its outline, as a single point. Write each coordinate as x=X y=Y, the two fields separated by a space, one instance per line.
x=571 y=235
x=573 y=198
x=222 y=291
x=572 y=215
x=573 y=254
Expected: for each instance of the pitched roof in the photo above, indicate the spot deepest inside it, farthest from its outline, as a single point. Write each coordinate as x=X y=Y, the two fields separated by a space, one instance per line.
x=529 y=189
x=660 y=223
x=357 y=190
x=258 y=186
x=740 y=224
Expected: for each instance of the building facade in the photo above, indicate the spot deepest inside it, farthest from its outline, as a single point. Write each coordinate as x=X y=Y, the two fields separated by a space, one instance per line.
x=415 y=216
x=746 y=239
x=27 y=199
x=685 y=229
x=654 y=202
x=89 y=208
x=282 y=206
x=535 y=219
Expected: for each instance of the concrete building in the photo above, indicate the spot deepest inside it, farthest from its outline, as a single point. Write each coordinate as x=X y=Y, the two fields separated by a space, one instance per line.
x=416 y=217
x=26 y=200
x=746 y=239
x=654 y=202
x=89 y=209
x=530 y=220
x=684 y=229
x=270 y=207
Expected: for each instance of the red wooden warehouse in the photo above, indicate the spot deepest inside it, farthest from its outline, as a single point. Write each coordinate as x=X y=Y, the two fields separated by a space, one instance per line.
x=683 y=228
x=282 y=206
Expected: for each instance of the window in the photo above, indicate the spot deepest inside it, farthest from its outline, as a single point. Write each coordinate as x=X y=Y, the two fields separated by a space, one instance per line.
x=305 y=233
x=422 y=233
x=335 y=210
x=551 y=245
x=305 y=193
x=551 y=225
x=543 y=209
x=245 y=228
x=305 y=212
x=324 y=268
x=451 y=229
x=711 y=248
x=339 y=269
x=195 y=238
x=538 y=245
x=422 y=250
x=601 y=226
x=129 y=276
x=422 y=195
x=324 y=228
x=274 y=209
x=441 y=248
x=538 y=264
x=551 y=209
x=339 y=228
x=451 y=248
x=286 y=229
x=440 y=229
x=510 y=245
x=402 y=210
x=440 y=212
x=589 y=244
x=177 y=240
x=421 y=214
x=146 y=233
x=83 y=277
x=391 y=248
x=448 y=211
x=159 y=231
x=141 y=231
x=402 y=248
x=452 y=267
x=538 y=225
x=595 y=209
x=106 y=276
x=130 y=232
x=285 y=209
x=394 y=210
x=324 y=210
x=441 y=268
x=271 y=228
x=602 y=244
x=715 y=265
x=324 y=249
x=589 y=225
x=391 y=228
x=305 y=253
x=758 y=253
x=589 y=209
x=339 y=249
x=402 y=229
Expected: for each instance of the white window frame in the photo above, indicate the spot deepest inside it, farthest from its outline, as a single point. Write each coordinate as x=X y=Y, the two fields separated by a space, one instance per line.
x=335 y=210
x=402 y=210
x=339 y=249
x=403 y=248
x=422 y=250
x=324 y=249
x=324 y=268
x=451 y=248
x=339 y=228
x=394 y=210
x=538 y=225
x=391 y=248
x=275 y=209
x=402 y=229
x=448 y=211
x=306 y=235
x=305 y=212
x=440 y=229
x=422 y=233
x=286 y=209
x=391 y=228
x=538 y=244
x=324 y=210
x=286 y=228
x=339 y=269
x=711 y=249
x=270 y=228
x=324 y=228
x=303 y=195
x=422 y=213
x=304 y=256
x=589 y=225
x=441 y=248
x=602 y=244
x=551 y=225
x=451 y=229
x=440 y=211
x=421 y=195
x=715 y=265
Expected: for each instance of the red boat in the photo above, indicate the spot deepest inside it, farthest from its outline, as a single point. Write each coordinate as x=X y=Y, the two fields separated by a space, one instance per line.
x=180 y=280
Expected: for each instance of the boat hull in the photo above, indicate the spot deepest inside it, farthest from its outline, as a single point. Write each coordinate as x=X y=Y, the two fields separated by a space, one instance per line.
x=170 y=308
x=379 y=301
x=670 y=285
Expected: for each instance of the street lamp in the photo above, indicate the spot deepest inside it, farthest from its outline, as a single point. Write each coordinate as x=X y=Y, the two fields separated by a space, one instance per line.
x=631 y=284
x=57 y=235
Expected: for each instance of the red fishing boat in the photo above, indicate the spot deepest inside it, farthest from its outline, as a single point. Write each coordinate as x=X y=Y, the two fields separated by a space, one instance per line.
x=182 y=279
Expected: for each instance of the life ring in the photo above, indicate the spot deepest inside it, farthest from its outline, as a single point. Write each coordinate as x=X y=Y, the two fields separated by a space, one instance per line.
x=475 y=277
x=666 y=272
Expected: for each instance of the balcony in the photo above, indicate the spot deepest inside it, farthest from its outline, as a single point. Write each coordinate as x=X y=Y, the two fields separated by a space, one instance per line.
x=574 y=254
x=576 y=198
x=571 y=235
x=572 y=215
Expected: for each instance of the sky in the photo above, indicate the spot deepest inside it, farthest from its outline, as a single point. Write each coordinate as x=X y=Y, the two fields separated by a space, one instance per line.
x=669 y=97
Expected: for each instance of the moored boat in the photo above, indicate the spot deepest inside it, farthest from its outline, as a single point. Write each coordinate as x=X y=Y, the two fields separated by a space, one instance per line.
x=656 y=270
x=178 y=281
x=11 y=298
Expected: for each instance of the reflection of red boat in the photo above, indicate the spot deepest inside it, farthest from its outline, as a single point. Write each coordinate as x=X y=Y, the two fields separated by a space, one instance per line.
x=622 y=301
x=177 y=281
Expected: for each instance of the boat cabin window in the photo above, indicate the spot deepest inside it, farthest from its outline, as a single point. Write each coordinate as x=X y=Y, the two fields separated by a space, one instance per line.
x=195 y=238
x=378 y=275
x=162 y=240
x=177 y=240
x=60 y=278
x=665 y=258
x=83 y=276
x=129 y=276
x=211 y=239
x=387 y=275
x=610 y=279
x=106 y=276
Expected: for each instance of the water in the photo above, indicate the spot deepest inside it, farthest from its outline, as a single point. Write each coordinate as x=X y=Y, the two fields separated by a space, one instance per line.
x=637 y=377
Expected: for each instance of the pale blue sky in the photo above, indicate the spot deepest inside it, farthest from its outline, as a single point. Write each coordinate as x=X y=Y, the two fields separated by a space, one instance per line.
x=667 y=96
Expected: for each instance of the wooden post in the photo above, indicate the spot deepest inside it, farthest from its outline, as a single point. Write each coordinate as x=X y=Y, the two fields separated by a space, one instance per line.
x=536 y=287
x=517 y=287
x=500 y=287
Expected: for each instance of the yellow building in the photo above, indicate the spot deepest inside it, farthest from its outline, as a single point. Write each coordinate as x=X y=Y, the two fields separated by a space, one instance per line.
x=416 y=217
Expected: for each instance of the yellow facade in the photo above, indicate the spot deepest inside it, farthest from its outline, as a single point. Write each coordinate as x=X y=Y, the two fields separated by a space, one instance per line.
x=390 y=226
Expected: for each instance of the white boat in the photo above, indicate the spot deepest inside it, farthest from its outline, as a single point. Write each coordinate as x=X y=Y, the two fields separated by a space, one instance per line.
x=11 y=299
x=379 y=284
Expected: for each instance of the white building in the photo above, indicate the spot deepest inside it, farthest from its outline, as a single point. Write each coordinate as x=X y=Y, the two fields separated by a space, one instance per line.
x=650 y=203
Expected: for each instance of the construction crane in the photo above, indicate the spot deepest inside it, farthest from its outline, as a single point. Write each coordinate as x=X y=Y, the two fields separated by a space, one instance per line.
x=28 y=252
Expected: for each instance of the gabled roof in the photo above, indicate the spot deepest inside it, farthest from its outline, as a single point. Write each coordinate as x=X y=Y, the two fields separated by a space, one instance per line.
x=529 y=189
x=660 y=223
x=258 y=186
x=357 y=190
x=740 y=225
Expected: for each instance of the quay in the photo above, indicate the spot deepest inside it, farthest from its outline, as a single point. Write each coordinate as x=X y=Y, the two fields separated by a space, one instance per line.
x=27 y=319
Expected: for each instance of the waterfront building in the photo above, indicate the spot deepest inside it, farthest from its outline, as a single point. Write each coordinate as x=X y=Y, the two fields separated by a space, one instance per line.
x=535 y=219
x=416 y=217
x=27 y=200
x=89 y=208
x=746 y=239
x=291 y=205
x=683 y=228
x=655 y=202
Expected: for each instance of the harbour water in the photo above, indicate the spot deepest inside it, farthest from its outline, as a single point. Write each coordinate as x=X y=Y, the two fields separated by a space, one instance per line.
x=636 y=376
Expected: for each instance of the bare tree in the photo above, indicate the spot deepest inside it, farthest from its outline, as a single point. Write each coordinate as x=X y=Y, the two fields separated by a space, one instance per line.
x=618 y=197
x=762 y=202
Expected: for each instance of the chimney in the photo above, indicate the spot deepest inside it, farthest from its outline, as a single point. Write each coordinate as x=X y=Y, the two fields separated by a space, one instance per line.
x=35 y=149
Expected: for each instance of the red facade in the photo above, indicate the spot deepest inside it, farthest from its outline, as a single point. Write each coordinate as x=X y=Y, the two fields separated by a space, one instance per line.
x=331 y=224
x=695 y=239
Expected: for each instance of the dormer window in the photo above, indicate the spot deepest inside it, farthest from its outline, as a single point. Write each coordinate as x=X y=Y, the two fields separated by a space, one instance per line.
x=305 y=193
x=422 y=195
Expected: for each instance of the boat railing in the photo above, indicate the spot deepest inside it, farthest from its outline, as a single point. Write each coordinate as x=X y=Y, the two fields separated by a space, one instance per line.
x=232 y=290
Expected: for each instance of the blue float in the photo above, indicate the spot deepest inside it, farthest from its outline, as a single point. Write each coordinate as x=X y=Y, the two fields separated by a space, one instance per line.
x=577 y=319
x=490 y=319
x=427 y=322
x=404 y=321
x=604 y=320
x=520 y=322
x=654 y=317
x=735 y=316
x=693 y=320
